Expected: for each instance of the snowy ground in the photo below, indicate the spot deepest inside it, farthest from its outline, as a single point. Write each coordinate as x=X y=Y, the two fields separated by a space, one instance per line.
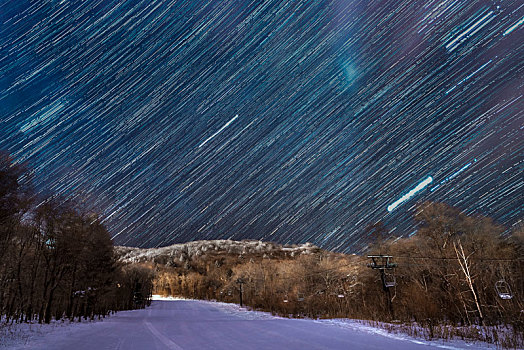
x=195 y=324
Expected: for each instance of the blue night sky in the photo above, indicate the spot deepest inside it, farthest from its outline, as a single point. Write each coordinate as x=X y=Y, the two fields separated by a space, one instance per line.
x=287 y=121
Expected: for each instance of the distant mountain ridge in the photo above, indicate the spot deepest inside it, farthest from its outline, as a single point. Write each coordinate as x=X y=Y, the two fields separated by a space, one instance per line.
x=181 y=252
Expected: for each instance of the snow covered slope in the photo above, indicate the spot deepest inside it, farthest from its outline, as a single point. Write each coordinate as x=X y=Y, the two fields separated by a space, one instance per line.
x=194 y=324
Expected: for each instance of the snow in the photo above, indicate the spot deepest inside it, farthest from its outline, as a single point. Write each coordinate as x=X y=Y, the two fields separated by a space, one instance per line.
x=184 y=251
x=172 y=323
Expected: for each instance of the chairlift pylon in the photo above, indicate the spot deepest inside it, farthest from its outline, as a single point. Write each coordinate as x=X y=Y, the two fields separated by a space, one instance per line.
x=503 y=290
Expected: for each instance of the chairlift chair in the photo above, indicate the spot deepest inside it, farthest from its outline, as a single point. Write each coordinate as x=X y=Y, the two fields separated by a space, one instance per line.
x=389 y=280
x=300 y=297
x=503 y=290
x=285 y=299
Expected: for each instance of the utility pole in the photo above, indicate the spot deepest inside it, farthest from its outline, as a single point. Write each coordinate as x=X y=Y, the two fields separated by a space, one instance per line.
x=240 y=281
x=383 y=263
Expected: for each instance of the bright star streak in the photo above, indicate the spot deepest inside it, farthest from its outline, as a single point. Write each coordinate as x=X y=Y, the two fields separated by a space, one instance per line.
x=453 y=175
x=219 y=131
x=453 y=44
x=513 y=27
x=468 y=77
x=411 y=193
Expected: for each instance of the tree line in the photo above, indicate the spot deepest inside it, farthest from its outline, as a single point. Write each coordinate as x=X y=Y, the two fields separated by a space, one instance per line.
x=56 y=260
x=457 y=270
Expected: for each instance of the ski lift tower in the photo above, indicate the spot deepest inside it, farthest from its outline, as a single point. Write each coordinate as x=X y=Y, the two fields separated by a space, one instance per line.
x=384 y=263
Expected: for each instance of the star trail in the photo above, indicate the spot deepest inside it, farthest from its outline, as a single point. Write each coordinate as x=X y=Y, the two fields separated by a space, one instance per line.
x=411 y=193
x=287 y=121
x=219 y=131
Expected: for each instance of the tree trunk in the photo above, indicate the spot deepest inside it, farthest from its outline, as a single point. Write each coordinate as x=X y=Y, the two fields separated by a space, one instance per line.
x=71 y=291
x=465 y=267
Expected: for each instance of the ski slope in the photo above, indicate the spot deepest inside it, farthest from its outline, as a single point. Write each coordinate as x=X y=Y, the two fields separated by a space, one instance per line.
x=194 y=324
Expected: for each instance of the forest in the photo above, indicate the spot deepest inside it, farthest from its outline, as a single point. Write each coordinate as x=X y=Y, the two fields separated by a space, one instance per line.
x=57 y=260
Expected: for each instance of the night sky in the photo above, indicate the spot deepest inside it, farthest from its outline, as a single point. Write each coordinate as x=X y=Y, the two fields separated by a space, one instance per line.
x=287 y=121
